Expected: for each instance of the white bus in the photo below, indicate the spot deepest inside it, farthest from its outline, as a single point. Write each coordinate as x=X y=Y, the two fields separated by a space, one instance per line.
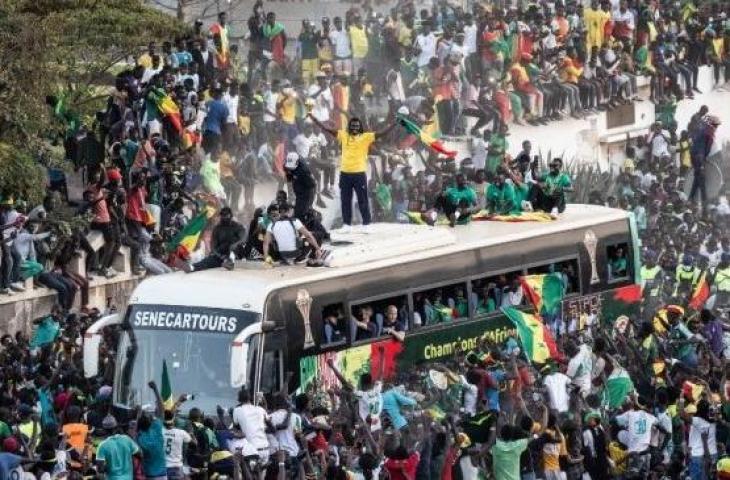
x=219 y=330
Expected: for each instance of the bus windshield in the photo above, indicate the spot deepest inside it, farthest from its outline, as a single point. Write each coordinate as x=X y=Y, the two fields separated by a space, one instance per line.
x=198 y=362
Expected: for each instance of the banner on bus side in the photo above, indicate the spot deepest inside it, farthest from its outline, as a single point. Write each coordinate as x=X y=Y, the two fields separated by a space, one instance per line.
x=190 y=319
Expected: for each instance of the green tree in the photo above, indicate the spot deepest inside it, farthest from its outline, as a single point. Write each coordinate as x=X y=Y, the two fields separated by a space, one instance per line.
x=68 y=47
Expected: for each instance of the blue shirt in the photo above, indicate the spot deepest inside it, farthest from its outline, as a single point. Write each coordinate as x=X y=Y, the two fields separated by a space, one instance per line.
x=392 y=401
x=8 y=463
x=492 y=394
x=152 y=444
x=184 y=57
x=216 y=117
x=117 y=451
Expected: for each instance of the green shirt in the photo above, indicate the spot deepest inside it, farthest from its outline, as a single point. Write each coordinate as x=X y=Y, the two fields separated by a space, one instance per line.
x=506 y=458
x=556 y=183
x=455 y=196
x=5 y=431
x=502 y=200
x=117 y=451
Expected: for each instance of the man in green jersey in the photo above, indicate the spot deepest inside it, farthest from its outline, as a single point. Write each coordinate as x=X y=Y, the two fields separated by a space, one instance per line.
x=458 y=201
x=548 y=194
x=501 y=197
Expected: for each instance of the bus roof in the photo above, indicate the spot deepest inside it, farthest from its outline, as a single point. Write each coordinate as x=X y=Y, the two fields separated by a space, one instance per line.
x=248 y=285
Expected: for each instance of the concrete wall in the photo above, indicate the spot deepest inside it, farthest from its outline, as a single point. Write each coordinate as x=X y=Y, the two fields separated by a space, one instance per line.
x=17 y=312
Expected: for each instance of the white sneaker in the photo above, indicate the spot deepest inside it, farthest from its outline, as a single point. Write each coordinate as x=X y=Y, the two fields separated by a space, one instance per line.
x=554 y=213
x=366 y=229
x=346 y=229
x=6 y=291
x=526 y=206
x=18 y=286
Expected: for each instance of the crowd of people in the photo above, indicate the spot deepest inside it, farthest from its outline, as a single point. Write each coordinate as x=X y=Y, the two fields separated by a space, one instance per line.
x=192 y=130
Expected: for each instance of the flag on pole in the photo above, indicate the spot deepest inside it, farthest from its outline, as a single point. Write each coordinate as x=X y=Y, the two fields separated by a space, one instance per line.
x=700 y=293
x=166 y=389
x=184 y=242
x=537 y=341
x=431 y=142
x=545 y=292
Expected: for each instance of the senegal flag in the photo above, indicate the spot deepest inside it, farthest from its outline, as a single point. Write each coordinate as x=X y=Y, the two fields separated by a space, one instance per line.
x=516 y=217
x=537 y=341
x=167 y=108
x=186 y=239
x=434 y=144
x=166 y=389
x=545 y=292
x=700 y=293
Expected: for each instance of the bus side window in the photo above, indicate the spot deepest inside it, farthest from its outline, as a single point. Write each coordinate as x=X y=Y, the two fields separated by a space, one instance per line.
x=488 y=293
x=334 y=326
x=440 y=304
x=378 y=317
x=619 y=267
x=568 y=270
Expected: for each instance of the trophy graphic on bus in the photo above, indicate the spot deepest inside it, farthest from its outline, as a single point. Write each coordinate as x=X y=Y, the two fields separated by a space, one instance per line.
x=304 y=305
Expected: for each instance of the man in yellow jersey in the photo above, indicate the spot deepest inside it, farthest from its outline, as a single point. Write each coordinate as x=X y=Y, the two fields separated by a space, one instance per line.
x=355 y=144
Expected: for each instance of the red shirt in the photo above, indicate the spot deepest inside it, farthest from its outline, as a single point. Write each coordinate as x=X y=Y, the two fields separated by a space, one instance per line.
x=396 y=467
x=100 y=209
x=136 y=205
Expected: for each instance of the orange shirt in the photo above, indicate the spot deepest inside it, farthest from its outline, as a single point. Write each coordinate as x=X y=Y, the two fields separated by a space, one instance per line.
x=76 y=434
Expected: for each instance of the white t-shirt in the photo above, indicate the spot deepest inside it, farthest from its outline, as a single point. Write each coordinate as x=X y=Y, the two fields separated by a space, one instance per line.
x=697 y=428
x=303 y=144
x=323 y=102
x=557 y=387
x=284 y=234
x=580 y=368
x=252 y=421
x=232 y=104
x=659 y=143
x=286 y=436
x=470 y=396
x=370 y=402
x=270 y=101
x=470 y=38
x=638 y=423
x=427 y=47
x=341 y=41
x=174 y=441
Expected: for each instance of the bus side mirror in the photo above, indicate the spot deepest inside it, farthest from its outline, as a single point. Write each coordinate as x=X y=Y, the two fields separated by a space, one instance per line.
x=92 y=342
x=239 y=353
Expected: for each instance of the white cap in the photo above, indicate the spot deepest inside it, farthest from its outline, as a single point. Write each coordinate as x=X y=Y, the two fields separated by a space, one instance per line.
x=403 y=110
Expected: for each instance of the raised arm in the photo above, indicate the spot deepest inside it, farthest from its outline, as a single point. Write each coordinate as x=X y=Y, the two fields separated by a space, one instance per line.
x=321 y=125
x=345 y=384
x=386 y=130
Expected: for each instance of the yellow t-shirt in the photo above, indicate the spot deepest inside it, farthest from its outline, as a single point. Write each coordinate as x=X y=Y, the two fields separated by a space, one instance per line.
x=354 y=151
x=359 y=42
x=145 y=60
x=289 y=110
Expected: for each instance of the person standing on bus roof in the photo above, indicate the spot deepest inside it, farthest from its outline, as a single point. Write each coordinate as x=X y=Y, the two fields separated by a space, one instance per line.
x=355 y=144
x=227 y=235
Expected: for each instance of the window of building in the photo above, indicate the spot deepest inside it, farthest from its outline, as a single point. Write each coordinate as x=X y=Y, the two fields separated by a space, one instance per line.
x=619 y=267
x=440 y=305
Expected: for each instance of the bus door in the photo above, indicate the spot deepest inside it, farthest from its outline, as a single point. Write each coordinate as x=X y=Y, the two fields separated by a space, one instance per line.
x=272 y=363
